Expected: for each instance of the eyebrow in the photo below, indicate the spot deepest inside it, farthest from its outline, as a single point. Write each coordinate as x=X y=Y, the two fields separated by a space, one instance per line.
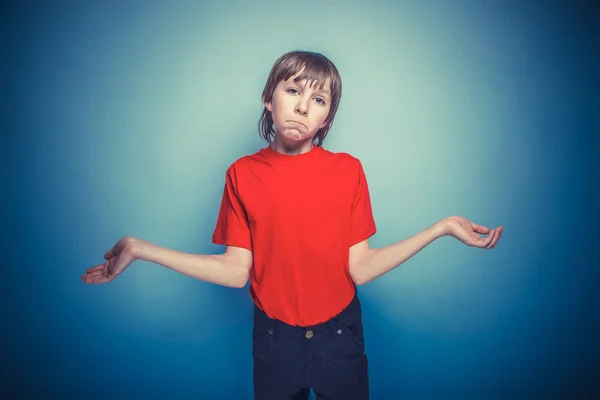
x=324 y=91
x=318 y=91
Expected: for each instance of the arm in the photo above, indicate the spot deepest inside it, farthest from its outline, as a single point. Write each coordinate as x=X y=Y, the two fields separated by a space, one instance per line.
x=367 y=264
x=231 y=268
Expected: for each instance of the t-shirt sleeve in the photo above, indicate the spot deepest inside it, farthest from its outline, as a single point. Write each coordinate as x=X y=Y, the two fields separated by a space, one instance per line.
x=232 y=224
x=362 y=222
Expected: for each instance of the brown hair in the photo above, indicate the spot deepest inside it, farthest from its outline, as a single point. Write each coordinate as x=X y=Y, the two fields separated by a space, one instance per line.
x=315 y=67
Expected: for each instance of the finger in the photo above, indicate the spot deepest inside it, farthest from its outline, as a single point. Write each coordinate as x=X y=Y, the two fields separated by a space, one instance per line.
x=492 y=238
x=477 y=241
x=92 y=274
x=95 y=268
x=483 y=242
x=95 y=274
x=498 y=238
x=480 y=228
x=98 y=270
x=98 y=279
x=87 y=279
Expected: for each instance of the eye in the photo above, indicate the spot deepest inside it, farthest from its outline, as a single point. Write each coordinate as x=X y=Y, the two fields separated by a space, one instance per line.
x=320 y=101
x=292 y=91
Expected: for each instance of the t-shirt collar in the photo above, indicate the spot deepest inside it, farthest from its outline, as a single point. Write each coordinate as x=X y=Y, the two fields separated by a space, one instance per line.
x=273 y=155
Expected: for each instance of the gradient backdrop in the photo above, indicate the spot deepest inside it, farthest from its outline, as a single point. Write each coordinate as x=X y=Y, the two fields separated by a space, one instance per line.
x=120 y=118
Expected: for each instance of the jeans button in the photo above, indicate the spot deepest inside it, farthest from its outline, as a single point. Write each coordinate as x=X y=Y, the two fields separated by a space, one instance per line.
x=309 y=334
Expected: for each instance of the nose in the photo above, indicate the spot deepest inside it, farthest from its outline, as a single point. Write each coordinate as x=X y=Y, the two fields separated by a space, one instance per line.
x=302 y=107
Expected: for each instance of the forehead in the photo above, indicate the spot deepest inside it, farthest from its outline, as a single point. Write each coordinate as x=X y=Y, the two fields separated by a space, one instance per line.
x=302 y=78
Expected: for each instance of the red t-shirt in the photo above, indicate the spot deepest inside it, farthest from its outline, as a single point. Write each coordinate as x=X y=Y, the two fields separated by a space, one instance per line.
x=299 y=215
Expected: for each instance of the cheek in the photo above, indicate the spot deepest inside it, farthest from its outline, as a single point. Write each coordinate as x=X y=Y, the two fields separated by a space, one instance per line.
x=323 y=116
x=279 y=106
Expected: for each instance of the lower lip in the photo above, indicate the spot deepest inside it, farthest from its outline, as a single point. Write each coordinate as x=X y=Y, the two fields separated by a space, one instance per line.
x=296 y=123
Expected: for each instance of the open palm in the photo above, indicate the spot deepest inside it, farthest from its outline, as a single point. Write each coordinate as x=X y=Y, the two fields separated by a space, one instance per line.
x=470 y=233
x=117 y=260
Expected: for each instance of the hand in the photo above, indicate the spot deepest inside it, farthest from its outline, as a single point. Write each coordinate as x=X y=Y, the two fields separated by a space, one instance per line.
x=470 y=233
x=118 y=259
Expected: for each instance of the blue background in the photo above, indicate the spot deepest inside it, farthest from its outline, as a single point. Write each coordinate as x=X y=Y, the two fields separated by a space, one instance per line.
x=121 y=119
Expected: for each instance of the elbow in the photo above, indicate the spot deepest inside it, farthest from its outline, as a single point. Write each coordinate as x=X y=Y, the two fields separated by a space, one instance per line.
x=360 y=273
x=240 y=280
x=359 y=263
x=237 y=263
x=240 y=283
x=358 y=279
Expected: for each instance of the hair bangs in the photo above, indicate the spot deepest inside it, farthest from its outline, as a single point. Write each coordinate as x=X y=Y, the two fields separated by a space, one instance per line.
x=315 y=70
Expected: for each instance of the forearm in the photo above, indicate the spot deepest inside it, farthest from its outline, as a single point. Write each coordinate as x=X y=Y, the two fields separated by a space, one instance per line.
x=377 y=262
x=219 y=269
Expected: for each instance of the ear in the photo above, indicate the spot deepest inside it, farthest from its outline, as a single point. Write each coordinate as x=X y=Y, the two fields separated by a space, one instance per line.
x=323 y=125
x=267 y=105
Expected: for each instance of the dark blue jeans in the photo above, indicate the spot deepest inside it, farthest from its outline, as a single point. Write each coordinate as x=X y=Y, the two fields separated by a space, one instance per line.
x=330 y=358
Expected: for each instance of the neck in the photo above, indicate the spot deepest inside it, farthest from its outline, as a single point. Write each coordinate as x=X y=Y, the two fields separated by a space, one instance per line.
x=292 y=149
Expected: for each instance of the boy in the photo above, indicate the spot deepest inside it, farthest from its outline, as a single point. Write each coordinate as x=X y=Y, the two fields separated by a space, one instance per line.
x=295 y=220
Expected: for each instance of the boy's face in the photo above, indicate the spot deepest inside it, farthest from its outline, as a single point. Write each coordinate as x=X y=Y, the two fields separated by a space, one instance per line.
x=299 y=109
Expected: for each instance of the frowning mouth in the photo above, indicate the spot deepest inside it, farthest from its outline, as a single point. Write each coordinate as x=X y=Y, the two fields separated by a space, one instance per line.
x=296 y=123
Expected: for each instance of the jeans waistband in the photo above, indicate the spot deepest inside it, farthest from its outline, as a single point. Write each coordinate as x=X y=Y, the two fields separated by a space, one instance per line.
x=349 y=314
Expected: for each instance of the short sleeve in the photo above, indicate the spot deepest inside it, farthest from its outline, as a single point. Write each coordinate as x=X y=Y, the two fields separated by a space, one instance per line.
x=362 y=225
x=232 y=224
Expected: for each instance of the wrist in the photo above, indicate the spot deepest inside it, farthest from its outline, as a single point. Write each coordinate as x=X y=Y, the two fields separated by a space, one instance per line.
x=138 y=248
x=441 y=228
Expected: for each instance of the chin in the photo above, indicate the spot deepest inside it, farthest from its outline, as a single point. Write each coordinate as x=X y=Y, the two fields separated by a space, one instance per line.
x=297 y=138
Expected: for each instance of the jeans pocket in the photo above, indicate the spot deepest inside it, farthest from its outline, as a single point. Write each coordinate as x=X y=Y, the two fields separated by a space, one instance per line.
x=258 y=333
x=261 y=343
x=346 y=345
x=353 y=336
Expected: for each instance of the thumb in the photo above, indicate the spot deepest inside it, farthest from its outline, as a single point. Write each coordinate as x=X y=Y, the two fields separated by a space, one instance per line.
x=480 y=228
x=108 y=254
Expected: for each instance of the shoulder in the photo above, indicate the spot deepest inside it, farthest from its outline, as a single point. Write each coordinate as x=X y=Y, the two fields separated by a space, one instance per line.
x=246 y=162
x=344 y=158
